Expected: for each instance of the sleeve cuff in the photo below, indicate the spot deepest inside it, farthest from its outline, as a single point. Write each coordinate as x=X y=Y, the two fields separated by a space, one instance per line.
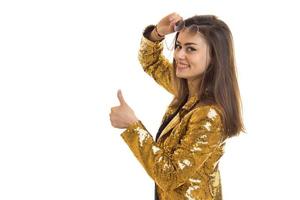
x=131 y=129
x=146 y=35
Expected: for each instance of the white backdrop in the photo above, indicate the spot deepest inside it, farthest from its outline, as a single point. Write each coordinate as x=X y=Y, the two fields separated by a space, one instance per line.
x=61 y=63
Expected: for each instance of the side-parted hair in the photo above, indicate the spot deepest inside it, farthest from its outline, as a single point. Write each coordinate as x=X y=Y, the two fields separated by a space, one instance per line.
x=219 y=83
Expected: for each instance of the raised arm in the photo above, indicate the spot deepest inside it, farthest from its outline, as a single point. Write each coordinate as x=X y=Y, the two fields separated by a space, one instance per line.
x=154 y=62
x=150 y=53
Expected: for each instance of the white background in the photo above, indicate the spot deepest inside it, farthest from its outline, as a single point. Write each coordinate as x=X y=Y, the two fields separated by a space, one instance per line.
x=61 y=63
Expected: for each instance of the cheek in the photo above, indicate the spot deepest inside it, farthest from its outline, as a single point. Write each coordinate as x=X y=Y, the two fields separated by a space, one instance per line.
x=199 y=65
x=175 y=56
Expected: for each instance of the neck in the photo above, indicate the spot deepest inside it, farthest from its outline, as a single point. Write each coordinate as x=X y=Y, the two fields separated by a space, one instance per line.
x=194 y=87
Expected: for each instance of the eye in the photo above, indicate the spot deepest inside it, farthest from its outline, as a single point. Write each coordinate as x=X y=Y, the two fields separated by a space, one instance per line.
x=190 y=49
x=177 y=46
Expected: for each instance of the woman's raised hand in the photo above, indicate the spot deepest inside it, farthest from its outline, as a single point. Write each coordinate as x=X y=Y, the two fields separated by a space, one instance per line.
x=166 y=25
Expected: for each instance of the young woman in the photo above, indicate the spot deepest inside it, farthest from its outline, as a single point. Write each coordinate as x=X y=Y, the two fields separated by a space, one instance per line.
x=205 y=112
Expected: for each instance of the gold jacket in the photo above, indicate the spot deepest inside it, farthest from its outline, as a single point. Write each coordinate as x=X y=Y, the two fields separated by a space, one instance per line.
x=184 y=160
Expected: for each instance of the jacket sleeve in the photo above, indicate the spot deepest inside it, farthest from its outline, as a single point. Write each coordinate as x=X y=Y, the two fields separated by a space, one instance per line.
x=170 y=169
x=154 y=63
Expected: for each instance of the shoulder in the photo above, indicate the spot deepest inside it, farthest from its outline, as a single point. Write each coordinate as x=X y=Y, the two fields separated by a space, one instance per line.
x=207 y=119
x=209 y=112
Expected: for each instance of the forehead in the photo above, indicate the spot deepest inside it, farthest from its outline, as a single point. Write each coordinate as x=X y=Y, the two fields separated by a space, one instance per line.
x=186 y=36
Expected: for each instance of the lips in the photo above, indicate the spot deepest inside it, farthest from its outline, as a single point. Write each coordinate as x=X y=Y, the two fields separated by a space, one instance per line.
x=182 y=66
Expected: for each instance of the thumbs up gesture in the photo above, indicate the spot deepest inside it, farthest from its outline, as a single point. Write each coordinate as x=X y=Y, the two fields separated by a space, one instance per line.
x=122 y=116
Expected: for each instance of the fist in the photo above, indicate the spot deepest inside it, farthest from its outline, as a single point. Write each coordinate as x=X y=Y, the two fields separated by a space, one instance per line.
x=122 y=116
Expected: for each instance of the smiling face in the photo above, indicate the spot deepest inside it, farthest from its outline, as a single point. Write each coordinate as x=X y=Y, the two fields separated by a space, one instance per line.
x=191 y=55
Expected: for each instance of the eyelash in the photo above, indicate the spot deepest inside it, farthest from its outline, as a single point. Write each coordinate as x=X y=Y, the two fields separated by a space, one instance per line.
x=188 y=49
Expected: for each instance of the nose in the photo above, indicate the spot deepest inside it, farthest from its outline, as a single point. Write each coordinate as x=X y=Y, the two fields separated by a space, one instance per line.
x=180 y=54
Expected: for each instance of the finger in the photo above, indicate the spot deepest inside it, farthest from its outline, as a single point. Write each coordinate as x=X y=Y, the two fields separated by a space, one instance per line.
x=175 y=23
x=113 y=109
x=172 y=23
x=177 y=19
x=172 y=16
x=112 y=123
x=121 y=98
x=111 y=118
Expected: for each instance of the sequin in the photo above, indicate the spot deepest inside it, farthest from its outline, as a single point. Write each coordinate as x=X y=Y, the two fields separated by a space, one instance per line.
x=194 y=180
x=155 y=149
x=212 y=113
x=160 y=159
x=166 y=166
x=195 y=149
x=142 y=135
x=184 y=163
x=189 y=192
x=207 y=126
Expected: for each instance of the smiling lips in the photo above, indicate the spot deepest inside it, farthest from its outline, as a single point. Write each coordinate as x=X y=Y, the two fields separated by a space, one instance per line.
x=182 y=66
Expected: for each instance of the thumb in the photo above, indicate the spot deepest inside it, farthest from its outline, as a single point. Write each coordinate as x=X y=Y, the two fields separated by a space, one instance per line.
x=121 y=98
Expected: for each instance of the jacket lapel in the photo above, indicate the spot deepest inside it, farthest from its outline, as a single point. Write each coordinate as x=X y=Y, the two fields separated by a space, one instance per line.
x=171 y=125
x=176 y=120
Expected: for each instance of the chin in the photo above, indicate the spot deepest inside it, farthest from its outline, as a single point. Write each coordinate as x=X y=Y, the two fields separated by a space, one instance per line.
x=181 y=76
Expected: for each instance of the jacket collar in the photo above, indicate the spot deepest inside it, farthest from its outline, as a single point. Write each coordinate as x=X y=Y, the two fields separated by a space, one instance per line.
x=191 y=102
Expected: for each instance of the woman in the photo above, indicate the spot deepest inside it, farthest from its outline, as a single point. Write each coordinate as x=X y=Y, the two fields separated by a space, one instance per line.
x=206 y=109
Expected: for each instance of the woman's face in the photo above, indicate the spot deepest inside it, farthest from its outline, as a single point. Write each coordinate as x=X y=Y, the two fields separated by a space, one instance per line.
x=191 y=55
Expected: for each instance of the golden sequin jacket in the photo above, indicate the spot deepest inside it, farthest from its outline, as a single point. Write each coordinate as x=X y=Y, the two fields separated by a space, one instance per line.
x=184 y=160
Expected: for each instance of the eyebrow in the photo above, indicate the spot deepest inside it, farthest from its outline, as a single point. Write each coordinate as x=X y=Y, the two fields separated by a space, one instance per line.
x=188 y=43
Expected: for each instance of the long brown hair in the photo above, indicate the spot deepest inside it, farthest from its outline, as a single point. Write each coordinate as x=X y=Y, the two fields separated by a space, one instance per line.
x=219 y=83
